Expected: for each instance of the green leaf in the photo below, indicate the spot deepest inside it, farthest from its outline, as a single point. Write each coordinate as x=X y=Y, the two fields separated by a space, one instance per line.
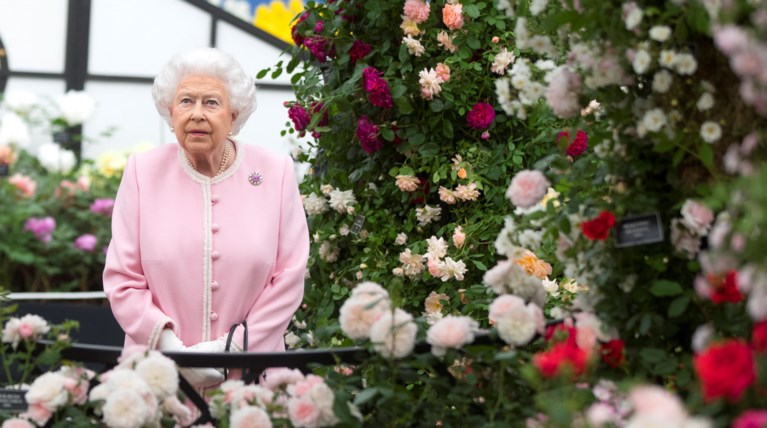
x=365 y=396
x=652 y=355
x=471 y=10
x=276 y=73
x=262 y=73
x=481 y=266
x=706 y=155
x=388 y=134
x=678 y=306
x=665 y=288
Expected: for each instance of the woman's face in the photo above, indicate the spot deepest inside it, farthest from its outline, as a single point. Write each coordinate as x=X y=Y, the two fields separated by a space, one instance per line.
x=200 y=113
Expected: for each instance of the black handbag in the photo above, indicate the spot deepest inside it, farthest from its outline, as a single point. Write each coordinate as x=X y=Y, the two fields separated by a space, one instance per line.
x=227 y=348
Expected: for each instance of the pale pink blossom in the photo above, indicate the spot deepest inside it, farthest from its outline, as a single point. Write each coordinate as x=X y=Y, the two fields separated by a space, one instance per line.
x=279 y=377
x=25 y=184
x=401 y=239
x=252 y=417
x=433 y=303
x=446 y=195
x=443 y=71
x=562 y=93
x=527 y=188
x=414 y=46
x=452 y=16
x=361 y=310
x=516 y=322
x=430 y=82
x=451 y=332
x=427 y=214
x=458 y=237
x=437 y=248
x=37 y=413
x=446 y=41
x=417 y=10
x=412 y=264
x=452 y=269
x=501 y=61
x=303 y=412
x=467 y=192
x=697 y=217
x=662 y=405
x=393 y=335
x=435 y=267
x=730 y=39
x=407 y=183
x=17 y=423
x=29 y=327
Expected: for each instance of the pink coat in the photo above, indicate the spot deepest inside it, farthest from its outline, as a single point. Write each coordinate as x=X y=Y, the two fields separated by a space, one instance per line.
x=199 y=254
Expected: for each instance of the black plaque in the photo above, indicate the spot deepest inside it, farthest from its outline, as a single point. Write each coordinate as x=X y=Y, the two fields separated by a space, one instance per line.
x=357 y=226
x=5 y=169
x=12 y=400
x=638 y=230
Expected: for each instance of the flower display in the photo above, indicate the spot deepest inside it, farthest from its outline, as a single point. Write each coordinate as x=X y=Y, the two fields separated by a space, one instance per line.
x=726 y=370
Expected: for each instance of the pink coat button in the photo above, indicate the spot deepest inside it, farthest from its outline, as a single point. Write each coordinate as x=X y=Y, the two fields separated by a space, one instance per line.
x=213 y=316
x=215 y=255
x=214 y=285
x=214 y=199
x=215 y=227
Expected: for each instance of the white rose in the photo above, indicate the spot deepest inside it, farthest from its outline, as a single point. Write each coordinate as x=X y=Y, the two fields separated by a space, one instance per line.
x=55 y=159
x=76 y=107
x=13 y=130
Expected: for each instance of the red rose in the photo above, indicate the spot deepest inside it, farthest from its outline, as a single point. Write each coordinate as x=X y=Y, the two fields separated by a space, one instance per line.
x=612 y=353
x=299 y=116
x=359 y=51
x=759 y=337
x=725 y=289
x=377 y=88
x=599 y=227
x=725 y=370
x=480 y=116
x=367 y=132
x=562 y=356
x=578 y=146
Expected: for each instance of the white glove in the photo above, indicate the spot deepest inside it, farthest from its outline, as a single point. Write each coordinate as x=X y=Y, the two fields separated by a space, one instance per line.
x=217 y=345
x=199 y=377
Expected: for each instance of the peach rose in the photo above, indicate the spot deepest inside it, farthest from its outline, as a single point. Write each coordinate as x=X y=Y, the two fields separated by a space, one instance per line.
x=452 y=16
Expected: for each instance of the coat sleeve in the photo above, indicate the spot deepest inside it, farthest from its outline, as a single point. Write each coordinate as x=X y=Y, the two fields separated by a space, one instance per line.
x=125 y=285
x=272 y=311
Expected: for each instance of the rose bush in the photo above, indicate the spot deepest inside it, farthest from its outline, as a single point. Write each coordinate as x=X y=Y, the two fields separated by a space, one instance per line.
x=55 y=216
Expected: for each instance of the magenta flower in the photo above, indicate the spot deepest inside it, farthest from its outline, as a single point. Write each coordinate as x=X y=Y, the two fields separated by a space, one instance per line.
x=578 y=146
x=318 y=107
x=377 y=88
x=480 y=116
x=298 y=39
x=359 y=51
x=42 y=228
x=299 y=116
x=319 y=47
x=86 y=242
x=367 y=132
x=103 y=206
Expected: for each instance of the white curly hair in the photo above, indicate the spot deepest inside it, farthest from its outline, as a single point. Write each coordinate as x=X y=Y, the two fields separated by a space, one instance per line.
x=213 y=62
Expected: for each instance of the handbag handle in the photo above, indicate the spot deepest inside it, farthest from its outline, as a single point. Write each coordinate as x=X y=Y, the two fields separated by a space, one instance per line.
x=228 y=346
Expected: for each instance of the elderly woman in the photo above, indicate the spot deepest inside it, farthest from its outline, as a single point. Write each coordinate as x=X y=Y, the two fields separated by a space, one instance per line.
x=208 y=233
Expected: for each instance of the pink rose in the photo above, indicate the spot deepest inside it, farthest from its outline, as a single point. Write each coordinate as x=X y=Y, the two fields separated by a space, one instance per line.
x=749 y=419
x=458 y=237
x=527 y=188
x=697 y=217
x=443 y=71
x=303 y=412
x=451 y=332
x=38 y=413
x=452 y=16
x=417 y=10
x=656 y=401
x=24 y=184
x=86 y=242
x=17 y=423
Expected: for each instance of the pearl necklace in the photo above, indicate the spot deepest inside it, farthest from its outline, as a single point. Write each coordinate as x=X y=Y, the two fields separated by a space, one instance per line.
x=224 y=160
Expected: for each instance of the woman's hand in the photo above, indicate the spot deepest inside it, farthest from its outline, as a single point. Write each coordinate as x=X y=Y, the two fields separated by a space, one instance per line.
x=199 y=377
